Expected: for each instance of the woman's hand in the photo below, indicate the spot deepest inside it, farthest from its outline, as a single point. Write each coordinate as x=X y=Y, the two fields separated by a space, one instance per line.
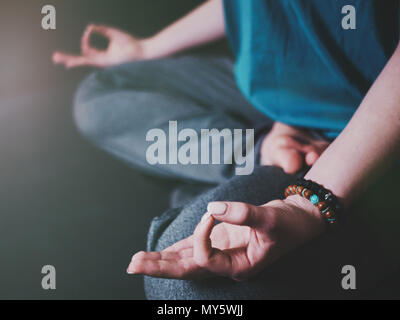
x=122 y=47
x=290 y=148
x=248 y=239
x=188 y=32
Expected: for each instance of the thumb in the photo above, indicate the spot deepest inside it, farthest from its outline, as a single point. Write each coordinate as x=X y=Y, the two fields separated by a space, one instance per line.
x=290 y=160
x=236 y=213
x=311 y=157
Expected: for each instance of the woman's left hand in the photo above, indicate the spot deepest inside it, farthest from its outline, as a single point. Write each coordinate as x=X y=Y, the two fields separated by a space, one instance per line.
x=248 y=239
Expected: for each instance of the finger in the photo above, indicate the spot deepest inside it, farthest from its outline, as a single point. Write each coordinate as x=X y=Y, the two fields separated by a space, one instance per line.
x=70 y=61
x=313 y=154
x=78 y=61
x=236 y=213
x=186 y=253
x=312 y=157
x=287 y=141
x=59 y=57
x=290 y=160
x=291 y=154
x=103 y=30
x=321 y=145
x=85 y=42
x=180 y=245
x=160 y=268
x=303 y=145
x=162 y=255
x=202 y=249
x=288 y=154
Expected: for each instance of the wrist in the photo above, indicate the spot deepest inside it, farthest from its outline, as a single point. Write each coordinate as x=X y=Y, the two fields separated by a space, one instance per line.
x=306 y=206
x=338 y=188
x=149 y=48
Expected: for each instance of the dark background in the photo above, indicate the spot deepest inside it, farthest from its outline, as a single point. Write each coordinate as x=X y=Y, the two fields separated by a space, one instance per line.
x=62 y=201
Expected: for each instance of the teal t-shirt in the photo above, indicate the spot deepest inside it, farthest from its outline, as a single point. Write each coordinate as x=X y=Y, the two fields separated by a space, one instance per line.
x=301 y=63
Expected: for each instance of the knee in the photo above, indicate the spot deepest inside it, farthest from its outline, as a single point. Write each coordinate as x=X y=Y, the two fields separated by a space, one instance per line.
x=85 y=113
x=160 y=289
x=171 y=289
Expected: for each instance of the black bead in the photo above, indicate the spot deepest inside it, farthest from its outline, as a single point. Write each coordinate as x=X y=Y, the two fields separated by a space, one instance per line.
x=328 y=196
x=330 y=199
x=315 y=188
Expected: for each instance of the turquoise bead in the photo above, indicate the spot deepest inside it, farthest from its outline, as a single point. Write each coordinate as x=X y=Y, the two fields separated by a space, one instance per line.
x=314 y=199
x=325 y=210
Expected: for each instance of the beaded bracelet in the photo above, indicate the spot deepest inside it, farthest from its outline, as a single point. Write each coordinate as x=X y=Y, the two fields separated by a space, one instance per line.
x=325 y=200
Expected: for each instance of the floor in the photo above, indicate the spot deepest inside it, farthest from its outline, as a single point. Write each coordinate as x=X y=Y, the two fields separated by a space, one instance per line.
x=62 y=201
x=65 y=203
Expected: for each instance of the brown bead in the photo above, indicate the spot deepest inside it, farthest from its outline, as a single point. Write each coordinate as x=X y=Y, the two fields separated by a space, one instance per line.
x=328 y=214
x=299 y=190
x=307 y=194
x=294 y=188
x=286 y=194
x=322 y=205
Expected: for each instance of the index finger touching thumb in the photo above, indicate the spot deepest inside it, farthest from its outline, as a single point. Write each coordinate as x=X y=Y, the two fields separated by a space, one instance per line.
x=235 y=213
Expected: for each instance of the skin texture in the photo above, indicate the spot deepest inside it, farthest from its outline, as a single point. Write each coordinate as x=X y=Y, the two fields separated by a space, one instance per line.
x=249 y=237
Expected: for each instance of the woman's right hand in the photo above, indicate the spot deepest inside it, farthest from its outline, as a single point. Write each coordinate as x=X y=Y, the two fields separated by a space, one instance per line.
x=122 y=47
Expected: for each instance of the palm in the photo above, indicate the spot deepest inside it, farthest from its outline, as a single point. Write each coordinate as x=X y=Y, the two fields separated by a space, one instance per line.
x=247 y=246
x=228 y=236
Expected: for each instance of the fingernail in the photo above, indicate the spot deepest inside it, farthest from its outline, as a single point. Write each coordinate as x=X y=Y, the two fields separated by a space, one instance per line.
x=217 y=208
x=205 y=216
x=130 y=270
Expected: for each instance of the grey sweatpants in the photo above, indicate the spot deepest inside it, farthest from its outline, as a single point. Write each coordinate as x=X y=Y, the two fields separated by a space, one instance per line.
x=116 y=107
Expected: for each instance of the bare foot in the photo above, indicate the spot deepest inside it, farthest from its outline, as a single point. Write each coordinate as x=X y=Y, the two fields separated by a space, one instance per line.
x=290 y=148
